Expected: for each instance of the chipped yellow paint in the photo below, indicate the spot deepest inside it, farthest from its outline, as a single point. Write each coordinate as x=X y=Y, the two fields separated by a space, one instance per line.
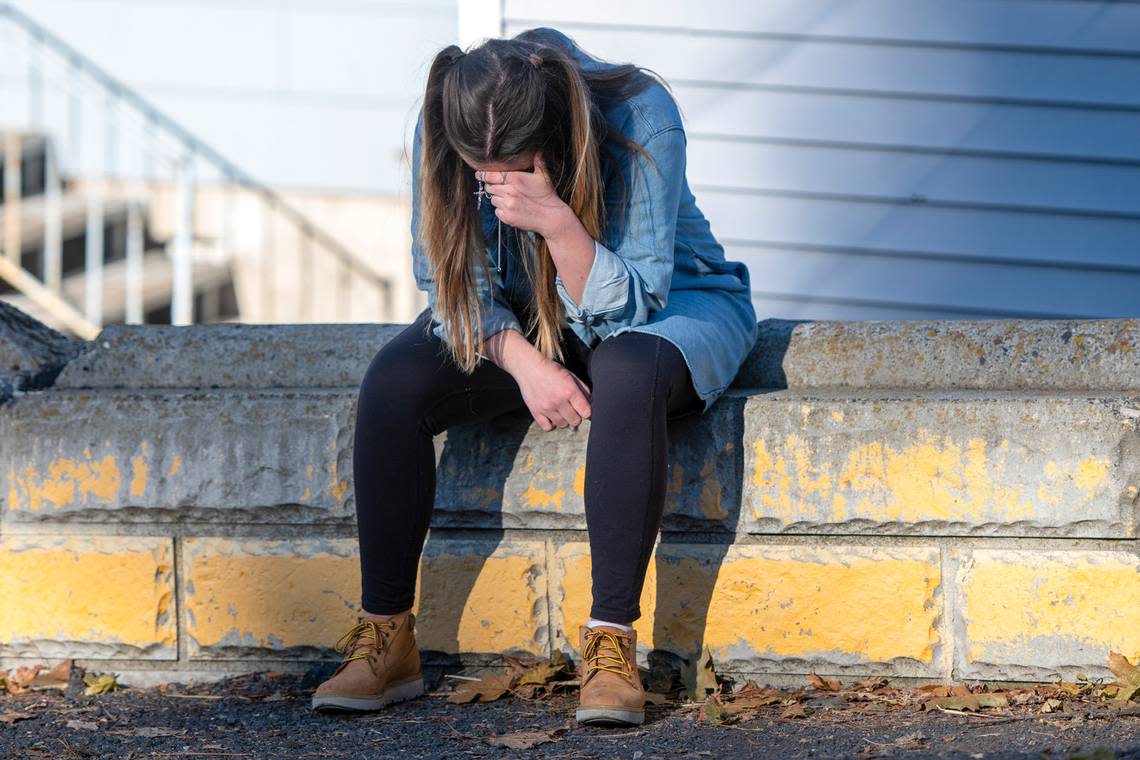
x=337 y=485
x=1074 y=599
x=175 y=466
x=470 y=602
x=1091 y=473
x=471 y=597
x=837 y=415
x=536 y=498
x=711 y=491
x=140 y=471
x=274 y=594
x=776 y=600
x=934 y=477
x=580 y=480
x=96 y=590
x=66 y=482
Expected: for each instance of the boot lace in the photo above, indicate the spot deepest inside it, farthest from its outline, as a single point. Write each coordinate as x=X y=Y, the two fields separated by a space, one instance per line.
x=349 y=641
x=604 y=652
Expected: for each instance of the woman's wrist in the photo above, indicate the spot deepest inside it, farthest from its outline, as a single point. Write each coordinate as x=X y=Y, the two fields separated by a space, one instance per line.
x=511 y=351
x=567 y=226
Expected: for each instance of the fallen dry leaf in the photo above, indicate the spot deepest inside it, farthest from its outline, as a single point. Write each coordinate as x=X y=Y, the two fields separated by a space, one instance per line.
x=486 y=689
x=148 y=732
x=83 y=725
x=1127 y=676
x=824 y=684
x=525 y=739
x=795 y=710
x=99 y=684
x=973 y=702
x=12 y=717
x=56 y=678
x=718 y=714
x=704 y=682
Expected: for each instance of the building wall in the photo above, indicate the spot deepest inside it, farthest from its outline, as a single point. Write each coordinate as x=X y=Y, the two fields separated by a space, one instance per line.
x=901 y=158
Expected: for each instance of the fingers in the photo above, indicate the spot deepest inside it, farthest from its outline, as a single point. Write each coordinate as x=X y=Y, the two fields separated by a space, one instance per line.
x=581 y=406
x=544 y=422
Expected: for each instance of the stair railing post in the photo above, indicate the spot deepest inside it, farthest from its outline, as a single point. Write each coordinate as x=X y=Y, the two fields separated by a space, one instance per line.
x=53 y=221
x=92 y=237
x=13 y=157
x=182 y=299
x=267 y=276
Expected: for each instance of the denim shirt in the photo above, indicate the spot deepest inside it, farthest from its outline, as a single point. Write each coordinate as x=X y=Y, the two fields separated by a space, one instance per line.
x=657 y=266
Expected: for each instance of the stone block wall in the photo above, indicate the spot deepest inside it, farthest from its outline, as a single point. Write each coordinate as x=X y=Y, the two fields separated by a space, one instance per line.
x=927 y=500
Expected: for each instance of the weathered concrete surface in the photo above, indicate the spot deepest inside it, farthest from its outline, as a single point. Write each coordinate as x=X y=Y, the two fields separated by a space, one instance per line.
x=1018 y=354
x=263 y=597
x=927 y=500
x=31 y=353
x=907 y=463
x=177 y=455
x=1024 y=612
x=1015 y=354
x=777 y=608
x=942 y=463
x=510 y=473
x=92 y=596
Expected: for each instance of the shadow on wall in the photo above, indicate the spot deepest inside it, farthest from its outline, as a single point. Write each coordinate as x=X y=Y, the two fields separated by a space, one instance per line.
x=477 y=501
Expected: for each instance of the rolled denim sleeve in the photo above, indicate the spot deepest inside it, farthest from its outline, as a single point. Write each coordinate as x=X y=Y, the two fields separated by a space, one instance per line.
x=631 y=280
x=495 y=312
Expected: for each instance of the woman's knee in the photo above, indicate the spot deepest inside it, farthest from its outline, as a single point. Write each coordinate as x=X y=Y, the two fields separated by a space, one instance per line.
x=633 y=364
x=397 y=378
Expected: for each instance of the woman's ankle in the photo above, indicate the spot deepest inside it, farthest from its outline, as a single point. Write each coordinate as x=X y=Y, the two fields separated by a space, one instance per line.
x=380 y=618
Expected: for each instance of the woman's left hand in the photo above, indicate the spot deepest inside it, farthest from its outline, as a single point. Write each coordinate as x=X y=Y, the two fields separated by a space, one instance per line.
x=527 y=200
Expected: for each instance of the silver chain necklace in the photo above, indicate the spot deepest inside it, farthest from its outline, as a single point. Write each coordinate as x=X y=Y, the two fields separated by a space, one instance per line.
x=499 y=223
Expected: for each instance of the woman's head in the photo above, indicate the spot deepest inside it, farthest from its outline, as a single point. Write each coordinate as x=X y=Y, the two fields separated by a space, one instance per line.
x=493 y=108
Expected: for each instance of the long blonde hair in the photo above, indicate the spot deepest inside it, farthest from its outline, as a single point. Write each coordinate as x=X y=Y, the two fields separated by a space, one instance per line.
x=503 y=100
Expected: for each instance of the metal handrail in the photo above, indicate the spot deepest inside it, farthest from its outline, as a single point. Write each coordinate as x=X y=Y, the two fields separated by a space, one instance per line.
x=197 y=148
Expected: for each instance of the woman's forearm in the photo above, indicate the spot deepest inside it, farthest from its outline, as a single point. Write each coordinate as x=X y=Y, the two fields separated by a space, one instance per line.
x=573 y=252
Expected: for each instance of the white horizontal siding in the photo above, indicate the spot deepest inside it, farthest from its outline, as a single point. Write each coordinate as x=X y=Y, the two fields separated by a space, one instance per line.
x=901 y=158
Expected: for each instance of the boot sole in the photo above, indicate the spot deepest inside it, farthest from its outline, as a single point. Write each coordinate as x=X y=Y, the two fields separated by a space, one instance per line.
x=609 y=716
x=399 y=693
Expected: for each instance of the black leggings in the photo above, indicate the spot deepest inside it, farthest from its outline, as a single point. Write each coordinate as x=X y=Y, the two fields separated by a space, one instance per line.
x=412 y=391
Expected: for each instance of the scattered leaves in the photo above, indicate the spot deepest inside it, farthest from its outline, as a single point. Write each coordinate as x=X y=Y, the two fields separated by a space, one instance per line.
x=12 y=716
x=99 y=684
x=527 y=680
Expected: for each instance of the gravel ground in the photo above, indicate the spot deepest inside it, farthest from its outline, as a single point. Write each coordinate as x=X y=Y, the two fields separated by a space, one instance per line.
x=268 y=716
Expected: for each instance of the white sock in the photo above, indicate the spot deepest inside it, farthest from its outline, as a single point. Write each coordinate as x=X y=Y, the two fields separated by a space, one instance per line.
x=595 y=623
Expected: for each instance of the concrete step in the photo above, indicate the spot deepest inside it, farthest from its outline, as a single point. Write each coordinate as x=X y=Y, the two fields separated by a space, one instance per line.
x=1006 y=354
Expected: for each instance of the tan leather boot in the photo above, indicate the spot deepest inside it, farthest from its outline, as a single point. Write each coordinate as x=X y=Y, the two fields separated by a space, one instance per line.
x=381 y=666
x=611 y=691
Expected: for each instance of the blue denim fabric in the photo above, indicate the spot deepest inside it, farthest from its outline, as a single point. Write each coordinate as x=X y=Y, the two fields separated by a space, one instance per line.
x=657 y=269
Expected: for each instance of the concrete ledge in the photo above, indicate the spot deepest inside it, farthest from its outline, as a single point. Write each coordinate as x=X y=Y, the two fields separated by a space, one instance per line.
x=1011 y=354
x=925 y=500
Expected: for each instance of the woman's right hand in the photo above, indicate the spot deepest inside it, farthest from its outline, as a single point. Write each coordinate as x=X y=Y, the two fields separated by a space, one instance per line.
x=555 y=396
